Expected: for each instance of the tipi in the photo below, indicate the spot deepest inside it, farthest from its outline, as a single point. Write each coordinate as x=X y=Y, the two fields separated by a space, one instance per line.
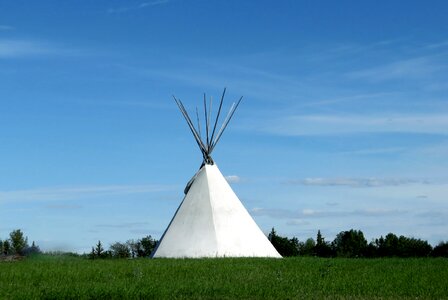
x=211 y=221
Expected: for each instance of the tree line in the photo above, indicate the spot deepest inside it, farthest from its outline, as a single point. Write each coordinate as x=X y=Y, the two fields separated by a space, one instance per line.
x=130 y=249
x=352 y=243
x=17 y=244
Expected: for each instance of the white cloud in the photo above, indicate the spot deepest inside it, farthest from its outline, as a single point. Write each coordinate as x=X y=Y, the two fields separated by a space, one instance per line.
x=278 y=213
x=136 y=7
x=374 y=151
x=357 y=182
x=412 y=68
x=14 y=48
x=302 y=125
x=10 y=48
x=441 y=44
x=68 y=193
x=233 y=179
x=152 y=3
x=6 y=28
x=63 y=206
x=124 y=225
x=308 y=212
x=295 y=222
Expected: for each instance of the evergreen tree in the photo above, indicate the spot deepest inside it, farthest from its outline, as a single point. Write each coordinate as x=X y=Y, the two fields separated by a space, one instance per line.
x=6 y=247
x=322 y=248
x=32 y=250
x=319 y=238
x=284 y=246
x=99 y=250
x=92 y=253
x=18 y=242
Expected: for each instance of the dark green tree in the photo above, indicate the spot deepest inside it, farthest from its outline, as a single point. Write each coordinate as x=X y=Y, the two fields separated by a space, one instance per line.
x=32 y=250
x=18 y=241
x=387 y=246
x=402 y=246
x=441 y=250
x=6 y=247
x=148 y=245
x=120 y=250
x=284 y=246
x=322 y=247
x=350 y=244
x=307 y=248
x=135 y=247
x=92 y=254
x=294 y=246
x=99 y=250
x=412 y=247
x=371 y=250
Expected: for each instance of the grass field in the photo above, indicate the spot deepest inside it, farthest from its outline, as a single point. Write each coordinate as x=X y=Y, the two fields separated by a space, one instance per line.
x=52 y=277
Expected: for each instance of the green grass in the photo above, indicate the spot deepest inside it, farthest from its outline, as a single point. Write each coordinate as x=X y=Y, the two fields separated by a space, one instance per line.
x=50 y=277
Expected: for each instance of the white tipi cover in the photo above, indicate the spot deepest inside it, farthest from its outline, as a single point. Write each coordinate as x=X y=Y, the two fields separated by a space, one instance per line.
x=212 y=222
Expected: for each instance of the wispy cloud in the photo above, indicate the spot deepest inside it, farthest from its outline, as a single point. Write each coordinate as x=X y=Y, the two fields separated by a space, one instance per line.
x=233 y=179
x=357 y=182
x=137 y=6
x=11 y=48
x=278 y=213
x=296 y=222
x=152 y=3
x=413 y=68
x=440 y=150
x=433 y=218
x=68 y=193
x=6 y=27
x=131 y=227
x=250 y=82
x=14 y=48
x=302 y=125
x=375 y=151
x=63 y=206
x=437 y=45
x=123 y=225
x=349 y=98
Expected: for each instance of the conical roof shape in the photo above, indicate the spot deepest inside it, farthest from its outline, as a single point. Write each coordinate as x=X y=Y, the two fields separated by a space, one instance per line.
x=212 y=222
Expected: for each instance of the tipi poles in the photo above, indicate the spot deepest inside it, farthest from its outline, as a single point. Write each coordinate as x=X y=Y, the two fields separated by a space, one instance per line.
x=210 y=139
x=199 y=123
x=206 y=123
x=219 y=112
x=190 y=124
x=226 y=122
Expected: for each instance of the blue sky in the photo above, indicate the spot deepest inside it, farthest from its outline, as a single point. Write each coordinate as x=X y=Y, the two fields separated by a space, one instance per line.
x=344 y=122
